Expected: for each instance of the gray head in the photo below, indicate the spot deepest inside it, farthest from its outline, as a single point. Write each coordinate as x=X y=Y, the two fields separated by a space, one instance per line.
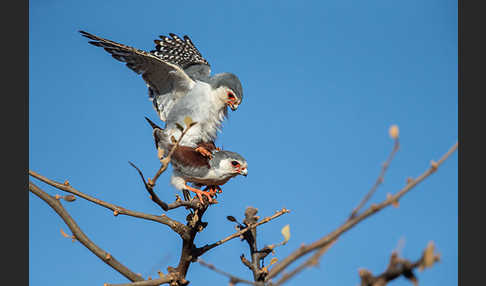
x=230 y=163
x=230 y=86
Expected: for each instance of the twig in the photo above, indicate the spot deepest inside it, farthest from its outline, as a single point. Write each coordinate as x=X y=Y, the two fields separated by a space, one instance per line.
x=233 y=279
x=178 y=227
x=193 y=204
x=208 y=247
x=150 y=189
x=379 y=181
x=314 y=259
x=330 y=238
x=150 y=183
x=166 y=160
x=81 y=237
x=153 y=282
x=400 y=267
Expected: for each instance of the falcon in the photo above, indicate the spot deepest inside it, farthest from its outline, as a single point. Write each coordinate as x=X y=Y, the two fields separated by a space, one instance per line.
x=180 y=84
x=190 y=166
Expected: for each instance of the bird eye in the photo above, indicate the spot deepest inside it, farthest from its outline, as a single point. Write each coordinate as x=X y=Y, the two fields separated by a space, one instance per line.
x=231 y=96
x=235 y=163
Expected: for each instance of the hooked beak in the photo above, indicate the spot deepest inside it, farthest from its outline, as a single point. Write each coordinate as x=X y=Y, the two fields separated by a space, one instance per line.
x=233 y=106
x=244 y=172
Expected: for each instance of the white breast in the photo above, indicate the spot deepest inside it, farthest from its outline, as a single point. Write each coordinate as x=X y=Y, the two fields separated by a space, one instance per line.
x=204 y=107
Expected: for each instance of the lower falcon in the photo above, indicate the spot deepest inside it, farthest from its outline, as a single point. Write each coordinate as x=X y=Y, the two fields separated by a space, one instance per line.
x=190 y=166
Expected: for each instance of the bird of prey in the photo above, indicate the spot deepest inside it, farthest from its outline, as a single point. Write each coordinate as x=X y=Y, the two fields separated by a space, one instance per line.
x=190 y=166
x=179 y=85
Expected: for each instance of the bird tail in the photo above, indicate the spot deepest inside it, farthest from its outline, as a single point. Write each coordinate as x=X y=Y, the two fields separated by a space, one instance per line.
x=154 y=126
x=161 y=142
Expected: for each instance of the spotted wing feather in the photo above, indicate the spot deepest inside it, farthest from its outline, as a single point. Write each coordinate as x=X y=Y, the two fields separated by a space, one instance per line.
x=182 y=52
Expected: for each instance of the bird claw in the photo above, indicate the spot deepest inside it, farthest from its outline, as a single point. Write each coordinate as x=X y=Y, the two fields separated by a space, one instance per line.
x=203 y=151
x=199 y=194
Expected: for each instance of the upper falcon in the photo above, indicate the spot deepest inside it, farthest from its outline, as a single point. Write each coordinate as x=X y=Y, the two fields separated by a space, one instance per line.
x=180 y=85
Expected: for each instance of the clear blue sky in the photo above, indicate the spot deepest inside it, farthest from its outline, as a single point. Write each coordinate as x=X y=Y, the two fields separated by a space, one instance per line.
x=322 y=80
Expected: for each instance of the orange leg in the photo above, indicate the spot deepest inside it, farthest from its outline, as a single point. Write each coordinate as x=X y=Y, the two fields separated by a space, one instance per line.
x=214 y=190
x=199 y=193
x=204 y=152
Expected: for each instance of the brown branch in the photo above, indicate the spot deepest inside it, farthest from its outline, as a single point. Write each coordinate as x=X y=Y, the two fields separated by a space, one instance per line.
x=150 y=183
x=314 y=259
x=166 y=160
x=400 y=267
x=150 y=190
x=81 y=237
x=193 y=204
x=178 y=227
x=233 y=279
x=379 y=181
x=208 y=247
x=330 y=238
x=154 y=282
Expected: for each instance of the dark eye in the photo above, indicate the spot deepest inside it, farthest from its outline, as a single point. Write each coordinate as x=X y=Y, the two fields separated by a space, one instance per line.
x=235 y=163
x=231 y=96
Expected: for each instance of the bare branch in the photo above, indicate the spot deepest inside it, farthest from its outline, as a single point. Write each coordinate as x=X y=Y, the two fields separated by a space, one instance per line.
x=150 y=190
x=330 y=238
x=208 y=247
x=178 y=227
x=379 y=181
x=193 y=204
x=81 y=237
x=166 y=160
x=154 y=282
x=233 y=279
x=400 y=267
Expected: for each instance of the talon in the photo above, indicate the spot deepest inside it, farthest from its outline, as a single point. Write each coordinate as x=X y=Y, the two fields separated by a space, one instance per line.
x=199 y=193
x=203 y=151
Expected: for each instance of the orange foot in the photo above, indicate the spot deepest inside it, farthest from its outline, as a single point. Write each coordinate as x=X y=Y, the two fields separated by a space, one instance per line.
x=204 y=152
x=213 y=190
x=199 y=193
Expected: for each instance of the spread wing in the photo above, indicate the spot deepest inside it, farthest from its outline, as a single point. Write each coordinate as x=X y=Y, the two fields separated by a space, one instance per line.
x=167 y=81
x=183 y=53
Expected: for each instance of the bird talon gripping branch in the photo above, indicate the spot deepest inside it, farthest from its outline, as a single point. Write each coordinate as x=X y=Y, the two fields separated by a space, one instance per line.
x=199 y=193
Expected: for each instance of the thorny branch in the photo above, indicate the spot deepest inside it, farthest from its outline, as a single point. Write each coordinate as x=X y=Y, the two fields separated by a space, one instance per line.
x=329 y=239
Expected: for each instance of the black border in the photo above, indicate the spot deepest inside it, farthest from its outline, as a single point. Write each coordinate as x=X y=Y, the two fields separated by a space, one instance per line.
x=14 y=137
x=471 y=52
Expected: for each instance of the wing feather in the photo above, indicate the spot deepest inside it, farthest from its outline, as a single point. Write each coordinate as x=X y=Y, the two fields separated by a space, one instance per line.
x=164 y=78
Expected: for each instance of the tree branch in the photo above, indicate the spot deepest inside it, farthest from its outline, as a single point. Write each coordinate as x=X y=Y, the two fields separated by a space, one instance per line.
x=154 y=282
x=330 y=238
x=178 y=227
x=81 y=237
x=379 y=181
x=400 y=267
x=208 y=247
x=233 y=279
